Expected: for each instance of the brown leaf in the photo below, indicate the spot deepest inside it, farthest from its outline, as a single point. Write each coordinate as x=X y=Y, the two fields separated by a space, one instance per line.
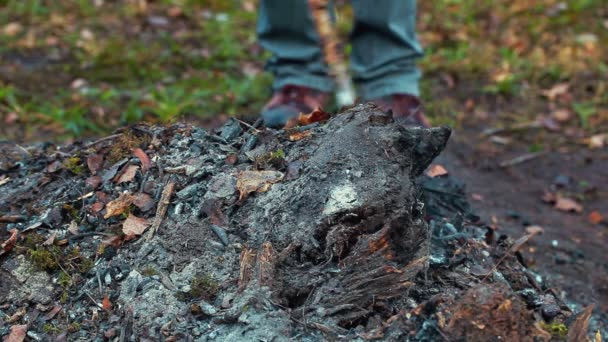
x=50 y=240
x=134 y=225
x=534 y=230
x=316 y=115
x=8 y=245
x=54 y=166
x=436 y=170
x=577 y=332
x=556 y=90
x=143 y=201
x=127 y=174
x=299 y=135
x=231 y=158
x=119 y=205
x=106 y=304
x=252 y=181
x=97 y=207
x=52 y=313
x=93 y=182
x=143 y=158
x=568 y=204
x=595 y=217
x=114 y=241
x=17 y=334
x=94 y=162
x=561 y=115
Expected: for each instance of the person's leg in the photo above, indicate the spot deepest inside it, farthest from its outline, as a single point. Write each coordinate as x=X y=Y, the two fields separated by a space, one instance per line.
x=285 y=28
x=385 y=48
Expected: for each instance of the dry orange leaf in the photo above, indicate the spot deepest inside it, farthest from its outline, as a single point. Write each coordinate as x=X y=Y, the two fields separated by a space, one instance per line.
x=119 y=205
x=143 y=158
x=106 y=304
x=127 y=175
x=299 y=135
x=7 y=245
x=134 y=225
x=568 y=204
x=556 y=90
x=595 y=217
x=436 y=170
x=256 y=181
x=307 y=119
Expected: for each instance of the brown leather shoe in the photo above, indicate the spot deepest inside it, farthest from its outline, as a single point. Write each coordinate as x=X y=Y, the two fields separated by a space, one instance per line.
x=289 y=101
x=406 y=109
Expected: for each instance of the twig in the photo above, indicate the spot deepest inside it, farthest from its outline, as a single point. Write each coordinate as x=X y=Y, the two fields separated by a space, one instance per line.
x=521 y=159
x=161 y=210
x=248 y=125
x=516 y=127
x=93 y=300
x=104 y=139
x=12 y=218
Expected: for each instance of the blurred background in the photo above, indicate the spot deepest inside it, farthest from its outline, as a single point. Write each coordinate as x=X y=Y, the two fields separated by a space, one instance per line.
x=80 y=68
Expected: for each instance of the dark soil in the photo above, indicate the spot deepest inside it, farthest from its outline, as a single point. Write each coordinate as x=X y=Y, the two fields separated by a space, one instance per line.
x=267 y=236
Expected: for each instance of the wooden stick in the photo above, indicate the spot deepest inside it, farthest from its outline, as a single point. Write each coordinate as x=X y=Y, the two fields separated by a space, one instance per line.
x=161 y=209
x=345 y=93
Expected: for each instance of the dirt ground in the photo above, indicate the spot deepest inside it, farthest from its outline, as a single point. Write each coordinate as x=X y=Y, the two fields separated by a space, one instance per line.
x=570 y=254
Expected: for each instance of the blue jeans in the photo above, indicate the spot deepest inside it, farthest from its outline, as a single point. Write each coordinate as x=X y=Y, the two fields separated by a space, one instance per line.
x=384 y=46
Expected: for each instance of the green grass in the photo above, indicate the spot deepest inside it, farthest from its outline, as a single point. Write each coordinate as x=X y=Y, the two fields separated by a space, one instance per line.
x=501 y=54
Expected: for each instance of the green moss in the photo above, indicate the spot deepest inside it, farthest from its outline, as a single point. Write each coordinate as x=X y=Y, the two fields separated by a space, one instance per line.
x=51 y=329
x=43 y=259
x=149 y=271
x=204 y=286
x=73 y=327
x=556 y=329
x=274 y=159
x=74 y=165
x=72 y=212
x=64 y=297
x=64 y=280
x=124 y=146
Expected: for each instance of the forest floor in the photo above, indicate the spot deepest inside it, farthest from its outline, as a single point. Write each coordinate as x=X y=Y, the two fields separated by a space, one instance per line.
x=514 y=78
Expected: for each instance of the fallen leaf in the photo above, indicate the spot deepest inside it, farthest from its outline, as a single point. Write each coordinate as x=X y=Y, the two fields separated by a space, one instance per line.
x=73 y=228
x=568 y=204
x=94 y=163
x=578 y=330
x=477 y=197
x=143 y=201
x=12 y=29
x=316 y=115
x=134 y=225
x=50 y=240
x=119 y=205
x=4 y=180
x=598 y=336
x=17 y=315
x=595 y=217
x=93 y=182
x=17 y=333
x=597 y=140
x=97 y=207
x=561 y=115
x=143 y=158
x=436 y=170
x=127 y=174
x=52 y=313
x=106 y=304
x=8 y=245
x=534 y=230
x=299 y=135
x=549 y=197
x=256 y=181
x=54 y=166
x=556 y=90
x=114 y=241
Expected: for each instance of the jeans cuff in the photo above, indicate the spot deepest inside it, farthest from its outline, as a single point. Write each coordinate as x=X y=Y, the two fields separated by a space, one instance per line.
x=320 y=83
x=388 y=85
